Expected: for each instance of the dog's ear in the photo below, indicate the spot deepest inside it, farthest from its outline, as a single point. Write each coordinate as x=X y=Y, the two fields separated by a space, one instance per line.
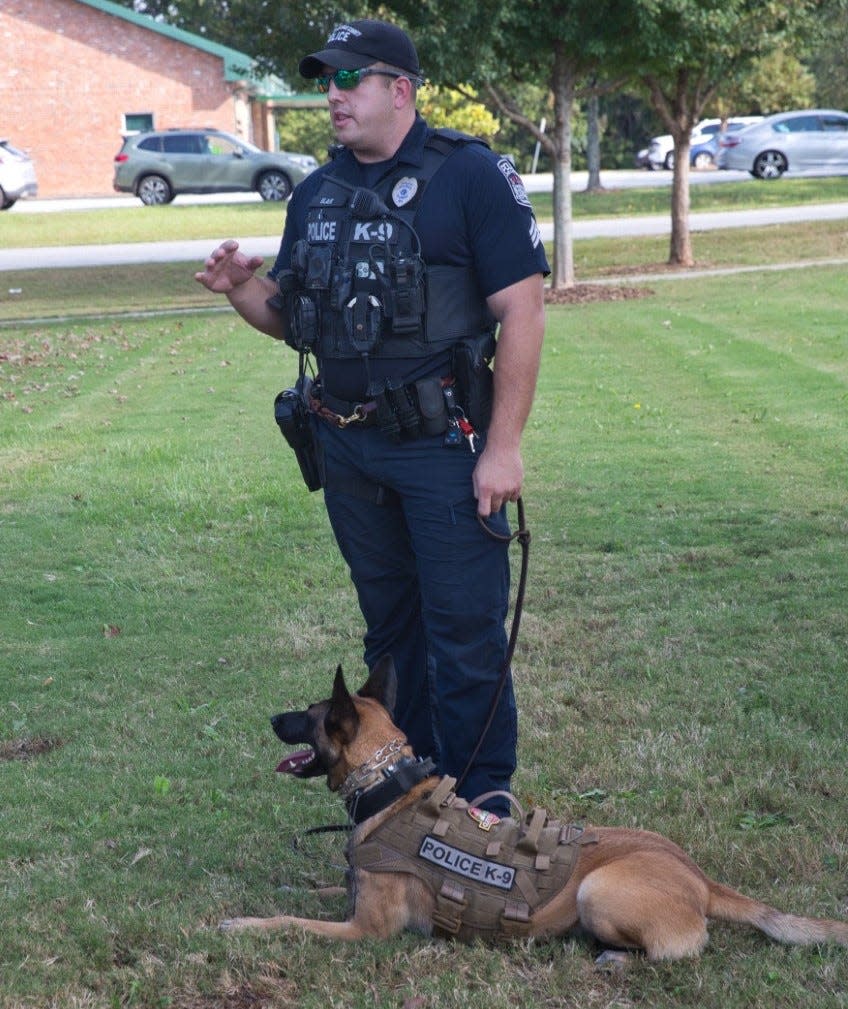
x=382 y=684
x=341 y=720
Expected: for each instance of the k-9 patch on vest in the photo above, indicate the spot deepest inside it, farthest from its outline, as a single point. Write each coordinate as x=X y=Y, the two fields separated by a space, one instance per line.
x=463 y=863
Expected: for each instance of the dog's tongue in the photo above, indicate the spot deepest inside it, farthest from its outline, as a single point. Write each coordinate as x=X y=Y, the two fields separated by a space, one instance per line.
x=294 y=761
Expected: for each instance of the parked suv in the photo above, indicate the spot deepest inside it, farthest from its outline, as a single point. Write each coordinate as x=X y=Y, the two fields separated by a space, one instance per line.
x=17 y=175
x=660 y=154
x=161 y=164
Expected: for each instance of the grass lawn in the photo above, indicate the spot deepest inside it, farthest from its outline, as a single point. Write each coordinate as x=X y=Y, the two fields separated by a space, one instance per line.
x=168 y=583
x=137 y=223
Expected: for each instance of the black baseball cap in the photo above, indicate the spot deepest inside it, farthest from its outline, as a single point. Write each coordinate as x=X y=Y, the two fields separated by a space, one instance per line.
x=358 y=44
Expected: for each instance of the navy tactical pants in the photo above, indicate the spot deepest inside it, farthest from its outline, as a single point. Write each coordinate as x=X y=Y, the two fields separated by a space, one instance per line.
x=433 y=587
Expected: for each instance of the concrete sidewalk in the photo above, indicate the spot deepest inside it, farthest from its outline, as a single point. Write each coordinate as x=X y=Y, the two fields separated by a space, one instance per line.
x=196 y=250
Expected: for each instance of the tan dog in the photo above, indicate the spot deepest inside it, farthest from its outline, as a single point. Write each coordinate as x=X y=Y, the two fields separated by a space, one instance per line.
x=631 y=889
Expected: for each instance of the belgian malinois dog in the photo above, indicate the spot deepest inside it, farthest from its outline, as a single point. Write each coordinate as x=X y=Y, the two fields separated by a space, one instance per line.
x=630 y=889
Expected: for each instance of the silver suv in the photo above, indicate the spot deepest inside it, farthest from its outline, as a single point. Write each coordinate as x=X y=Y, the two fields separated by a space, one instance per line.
x=159 y=165
x=17 y=175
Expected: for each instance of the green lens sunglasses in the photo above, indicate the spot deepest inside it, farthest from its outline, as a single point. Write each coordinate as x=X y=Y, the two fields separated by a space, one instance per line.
x=347 y=80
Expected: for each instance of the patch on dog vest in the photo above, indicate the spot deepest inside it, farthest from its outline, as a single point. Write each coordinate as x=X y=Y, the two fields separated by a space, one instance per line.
x=463 y=863
x=483 y=818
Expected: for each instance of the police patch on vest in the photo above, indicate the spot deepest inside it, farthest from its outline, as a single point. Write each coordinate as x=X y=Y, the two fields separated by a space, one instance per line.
x=465 y=864
x=515 y=184
x=404 y=191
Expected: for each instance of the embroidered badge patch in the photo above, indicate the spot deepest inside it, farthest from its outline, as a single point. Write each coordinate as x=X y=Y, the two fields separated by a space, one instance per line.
x=404 y=191
x=514 y=179
x=483 y=818
x=463 y=863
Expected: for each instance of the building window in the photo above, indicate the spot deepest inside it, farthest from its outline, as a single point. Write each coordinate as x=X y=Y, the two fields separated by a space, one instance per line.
x=137 y=122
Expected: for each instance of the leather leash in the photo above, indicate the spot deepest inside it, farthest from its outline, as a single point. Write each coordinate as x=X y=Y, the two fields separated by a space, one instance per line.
x=522 y=534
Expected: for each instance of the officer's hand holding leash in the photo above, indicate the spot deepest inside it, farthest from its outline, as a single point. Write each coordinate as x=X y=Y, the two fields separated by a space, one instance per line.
x=497 y=478
x=499 y=474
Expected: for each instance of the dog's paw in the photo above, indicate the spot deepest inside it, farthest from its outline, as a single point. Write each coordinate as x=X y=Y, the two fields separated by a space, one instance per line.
x=613 y=960
x=237 y=924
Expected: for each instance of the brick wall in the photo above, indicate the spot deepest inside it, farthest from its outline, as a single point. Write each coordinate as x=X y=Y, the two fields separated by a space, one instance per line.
x=68 y=75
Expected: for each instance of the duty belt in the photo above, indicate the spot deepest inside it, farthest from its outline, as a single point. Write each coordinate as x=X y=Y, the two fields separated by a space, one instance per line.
x=487 y=876
x=401 y=410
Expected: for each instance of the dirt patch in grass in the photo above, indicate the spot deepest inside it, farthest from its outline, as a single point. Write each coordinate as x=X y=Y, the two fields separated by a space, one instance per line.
x=27 y=748
x=584 y=294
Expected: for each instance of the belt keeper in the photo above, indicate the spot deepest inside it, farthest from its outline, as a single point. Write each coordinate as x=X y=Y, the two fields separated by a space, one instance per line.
x=543 y=863
x=515 y=920
x=530 y=841
x=439 y=796
x=441 y=827
x=570 y=833
x=450 y=904
x=493 y=850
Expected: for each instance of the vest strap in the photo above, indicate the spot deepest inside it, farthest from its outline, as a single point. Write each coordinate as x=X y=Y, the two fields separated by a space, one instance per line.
x=450 y=906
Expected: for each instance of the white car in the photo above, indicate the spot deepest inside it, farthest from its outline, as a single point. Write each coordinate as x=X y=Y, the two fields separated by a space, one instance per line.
x=661 y=150
x=17 y=175
x=806 y=140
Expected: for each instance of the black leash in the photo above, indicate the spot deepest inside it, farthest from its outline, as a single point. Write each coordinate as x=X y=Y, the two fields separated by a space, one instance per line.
x=522 y=534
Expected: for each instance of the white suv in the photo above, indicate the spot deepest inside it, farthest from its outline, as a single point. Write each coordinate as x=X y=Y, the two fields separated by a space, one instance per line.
x=661 y=151
x=17 y=175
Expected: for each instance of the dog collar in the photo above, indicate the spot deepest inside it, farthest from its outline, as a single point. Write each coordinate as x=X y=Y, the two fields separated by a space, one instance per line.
x=404 y=776
x=373 y=770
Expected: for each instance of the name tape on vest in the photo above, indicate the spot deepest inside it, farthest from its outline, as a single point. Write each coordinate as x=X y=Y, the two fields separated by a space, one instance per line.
x=465 y=864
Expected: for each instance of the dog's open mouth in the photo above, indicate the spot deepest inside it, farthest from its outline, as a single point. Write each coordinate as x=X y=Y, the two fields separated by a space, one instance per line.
x=302 y=764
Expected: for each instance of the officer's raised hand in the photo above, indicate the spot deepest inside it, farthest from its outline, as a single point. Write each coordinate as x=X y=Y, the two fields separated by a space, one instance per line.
x=229 y=271
x=227 y=268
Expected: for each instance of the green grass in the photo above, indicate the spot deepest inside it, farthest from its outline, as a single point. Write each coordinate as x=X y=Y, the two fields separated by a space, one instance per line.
x=136 y=223
x=168 y=583
x=156 y=287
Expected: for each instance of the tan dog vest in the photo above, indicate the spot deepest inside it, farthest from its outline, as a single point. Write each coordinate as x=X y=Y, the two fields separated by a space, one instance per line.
x=487 y=878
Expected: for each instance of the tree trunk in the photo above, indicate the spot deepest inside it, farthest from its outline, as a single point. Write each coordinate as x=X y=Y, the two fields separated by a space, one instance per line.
x=562 y=85
x=593 y=144
x=680 y=249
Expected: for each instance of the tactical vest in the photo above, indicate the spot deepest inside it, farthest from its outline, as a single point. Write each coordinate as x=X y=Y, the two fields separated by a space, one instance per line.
x=364 y=288
x=486 y=878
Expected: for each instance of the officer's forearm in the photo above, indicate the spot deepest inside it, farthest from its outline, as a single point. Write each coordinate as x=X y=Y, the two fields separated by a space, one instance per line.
x=517 y=363
x=250 y=300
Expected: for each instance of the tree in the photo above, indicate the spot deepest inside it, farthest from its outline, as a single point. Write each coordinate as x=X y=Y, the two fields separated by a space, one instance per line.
x=826 y=56
x=558 y=43
x=690 y=51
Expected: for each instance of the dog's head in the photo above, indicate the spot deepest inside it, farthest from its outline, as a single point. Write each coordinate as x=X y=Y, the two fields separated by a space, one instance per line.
x=344 y=731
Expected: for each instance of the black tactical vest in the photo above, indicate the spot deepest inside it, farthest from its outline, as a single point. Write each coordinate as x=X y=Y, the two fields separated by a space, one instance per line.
x=364 y=288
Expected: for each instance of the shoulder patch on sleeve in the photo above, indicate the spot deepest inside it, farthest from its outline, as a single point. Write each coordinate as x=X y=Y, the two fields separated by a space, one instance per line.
x=509 y=172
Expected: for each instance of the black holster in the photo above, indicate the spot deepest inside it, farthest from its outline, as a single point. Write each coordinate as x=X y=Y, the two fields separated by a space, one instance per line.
x=474 y=379
x=298 y=426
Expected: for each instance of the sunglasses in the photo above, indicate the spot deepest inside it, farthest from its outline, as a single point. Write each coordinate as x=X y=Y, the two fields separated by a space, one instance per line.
x=347 y=80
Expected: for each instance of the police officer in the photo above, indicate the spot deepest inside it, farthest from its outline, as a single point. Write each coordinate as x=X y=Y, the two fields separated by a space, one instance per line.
x=400 y=259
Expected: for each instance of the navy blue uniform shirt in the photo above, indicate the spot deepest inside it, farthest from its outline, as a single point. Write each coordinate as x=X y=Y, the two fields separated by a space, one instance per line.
x=474 y=212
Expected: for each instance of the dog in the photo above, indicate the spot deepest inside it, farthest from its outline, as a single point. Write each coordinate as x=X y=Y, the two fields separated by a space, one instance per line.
x=631 y=890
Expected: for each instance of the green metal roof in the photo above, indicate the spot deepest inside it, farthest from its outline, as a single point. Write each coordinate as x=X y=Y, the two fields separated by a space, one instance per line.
x=237 y=66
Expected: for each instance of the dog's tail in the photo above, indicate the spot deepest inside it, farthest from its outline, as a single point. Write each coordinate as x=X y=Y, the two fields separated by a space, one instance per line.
x=728 y=905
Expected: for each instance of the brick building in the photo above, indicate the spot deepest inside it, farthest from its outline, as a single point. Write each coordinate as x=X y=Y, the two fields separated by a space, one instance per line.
x=77 y=75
